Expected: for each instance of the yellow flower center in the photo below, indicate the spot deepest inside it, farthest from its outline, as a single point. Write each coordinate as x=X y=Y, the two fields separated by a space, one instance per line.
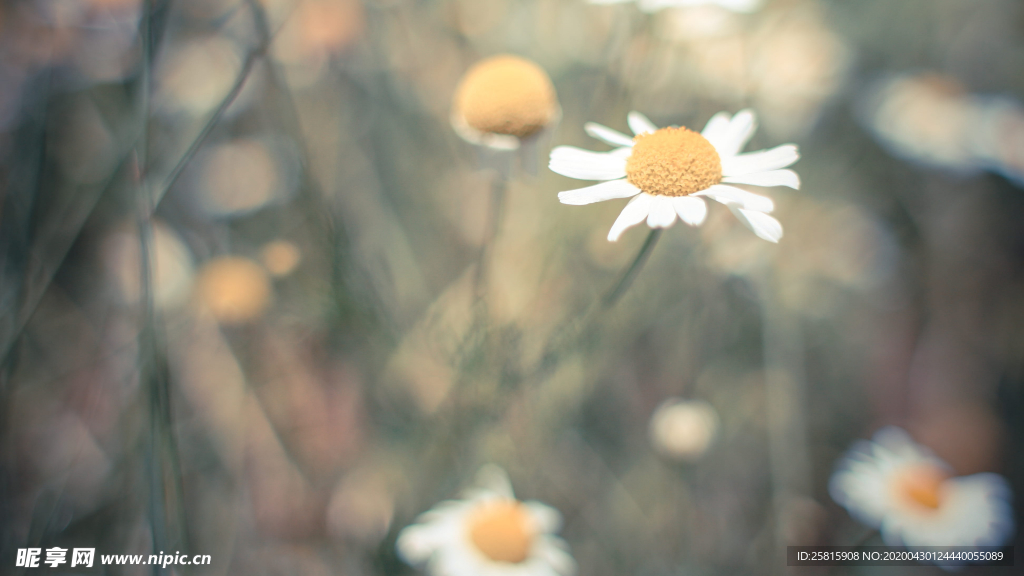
x=921 y=486
x=506 y=95
x=502 y=531
x=673 y=162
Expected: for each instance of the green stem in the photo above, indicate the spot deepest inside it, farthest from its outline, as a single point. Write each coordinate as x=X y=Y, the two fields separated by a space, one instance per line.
x=211 y=123
x=498 y=189
x=633 y=270
x=785 y=406
x=154 y=374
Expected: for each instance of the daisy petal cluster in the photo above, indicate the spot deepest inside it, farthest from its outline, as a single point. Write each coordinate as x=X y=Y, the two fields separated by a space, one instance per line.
x=669 y=172
x=488 y=533
x=899 y=487
x=650 y=6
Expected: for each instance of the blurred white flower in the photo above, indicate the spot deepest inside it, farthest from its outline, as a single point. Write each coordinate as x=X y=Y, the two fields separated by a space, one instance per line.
x=932 y=119
x=240 y=177
x=796 y=64
x=924 y=118
x=683 y=429
x=698 y=24
x=172 y=272
x=656 y=5
x=193 y=76
x=1000 y=140
x=911 y=496
x=487 y=533
x=667 y=171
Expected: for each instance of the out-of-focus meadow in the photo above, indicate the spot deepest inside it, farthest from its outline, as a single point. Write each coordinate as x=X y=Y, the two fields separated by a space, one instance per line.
x=258 y=300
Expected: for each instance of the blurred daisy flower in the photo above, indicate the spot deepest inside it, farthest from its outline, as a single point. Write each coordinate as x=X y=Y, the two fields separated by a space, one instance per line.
x=503 y=100
x=656 y=5
x=487 y=533
x=932 y=119
x=683 y=429
x=911 y=496
x=669 y=172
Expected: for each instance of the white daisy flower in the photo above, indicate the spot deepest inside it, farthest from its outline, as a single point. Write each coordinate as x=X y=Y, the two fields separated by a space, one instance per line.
x=669 y=172
x=650 y=6
x=488 y=533
x=911 y=496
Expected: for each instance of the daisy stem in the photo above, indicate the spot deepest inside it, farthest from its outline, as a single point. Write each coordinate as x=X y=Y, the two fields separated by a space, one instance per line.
x=497 y=203
x=161 y=457
x=633 y=270
x=785 y=405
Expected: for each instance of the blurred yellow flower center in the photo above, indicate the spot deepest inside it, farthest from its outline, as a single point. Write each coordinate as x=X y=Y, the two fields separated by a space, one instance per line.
x=506 y=95
x=234 y=289
x=280 y=257
x=330 y=24
x=673 y=162
x=502 y=531
x=924 y=486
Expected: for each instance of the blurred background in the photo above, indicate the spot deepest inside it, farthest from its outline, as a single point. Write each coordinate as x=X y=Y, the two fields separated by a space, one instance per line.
x=244 y=312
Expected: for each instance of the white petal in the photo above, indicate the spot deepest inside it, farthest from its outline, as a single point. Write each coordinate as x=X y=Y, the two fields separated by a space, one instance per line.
x=762 y=161
x=691 y=210
x=639 y=123
x=892 y=443
x=651 y=6
x=987 y=499
x=661 y=214
x=553 y=553
x=545 y=518
x=770 y=178
x=716 y=129
x=607 y=135
x=732 y=196
x=493 y=478
x=417 y=543
x=598 y=193
x=587 y=165
x=859 y=493
x=740 y=5
x=763 y=225
x=634 y=213
x=741 y=128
